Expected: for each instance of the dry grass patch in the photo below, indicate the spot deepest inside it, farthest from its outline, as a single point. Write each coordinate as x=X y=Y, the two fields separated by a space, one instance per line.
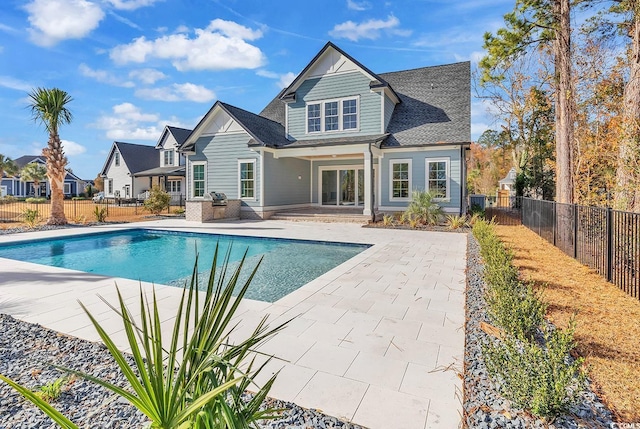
x=608 y=320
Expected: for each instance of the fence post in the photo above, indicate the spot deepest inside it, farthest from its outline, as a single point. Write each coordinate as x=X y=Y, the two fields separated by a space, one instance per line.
x=575 y=231
x=609 y=243
x=554 y=220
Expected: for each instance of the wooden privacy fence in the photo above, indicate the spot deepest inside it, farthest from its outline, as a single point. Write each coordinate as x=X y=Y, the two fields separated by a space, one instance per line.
x=604 y=239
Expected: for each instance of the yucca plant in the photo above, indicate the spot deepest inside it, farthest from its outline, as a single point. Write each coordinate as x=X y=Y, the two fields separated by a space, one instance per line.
x=197 y=378
x=456 y=222
x=423 y=208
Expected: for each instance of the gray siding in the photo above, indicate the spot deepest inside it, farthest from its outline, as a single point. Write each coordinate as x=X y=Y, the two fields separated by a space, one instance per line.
x=222 y=153
x=418 y=172
x=281 y=183
x=330 y=87
x=388 y=111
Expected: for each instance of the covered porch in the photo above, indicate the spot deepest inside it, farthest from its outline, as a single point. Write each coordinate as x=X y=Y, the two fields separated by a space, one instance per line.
x=342 y=178
x=169 y=179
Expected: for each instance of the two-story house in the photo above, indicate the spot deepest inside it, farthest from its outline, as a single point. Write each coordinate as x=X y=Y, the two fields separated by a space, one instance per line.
x=339 y=136
x=131 y=170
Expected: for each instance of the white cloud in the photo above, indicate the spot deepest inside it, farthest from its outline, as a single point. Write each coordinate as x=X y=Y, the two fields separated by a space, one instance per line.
x=148 y=75
x=72 y=148
x=221 y=46
x=12 y=83
x=55 y=20
x=177 y=92
x=130 y=4
x=103 y=76
x=7 y=29
x=182 y=29
x=358 y=5
x=371 y=29
x=129 y=122
x=284 y=80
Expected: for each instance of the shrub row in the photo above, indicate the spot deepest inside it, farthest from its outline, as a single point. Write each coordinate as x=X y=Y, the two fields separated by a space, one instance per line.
x=530 y=360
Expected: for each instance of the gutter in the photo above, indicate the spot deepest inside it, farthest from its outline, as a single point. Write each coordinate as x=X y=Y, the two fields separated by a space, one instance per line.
x=373 y=186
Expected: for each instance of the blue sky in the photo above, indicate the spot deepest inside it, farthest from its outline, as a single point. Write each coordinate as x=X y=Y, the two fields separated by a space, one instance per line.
x=133 y=66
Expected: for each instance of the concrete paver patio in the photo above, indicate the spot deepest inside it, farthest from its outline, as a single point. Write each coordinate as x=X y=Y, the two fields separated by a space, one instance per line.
x=377 y=341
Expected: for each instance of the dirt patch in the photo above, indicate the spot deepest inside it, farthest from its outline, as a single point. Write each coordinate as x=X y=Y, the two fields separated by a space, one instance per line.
x=608 y=320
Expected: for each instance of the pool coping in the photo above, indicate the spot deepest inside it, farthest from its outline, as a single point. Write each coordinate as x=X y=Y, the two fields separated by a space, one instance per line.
x=328 y=357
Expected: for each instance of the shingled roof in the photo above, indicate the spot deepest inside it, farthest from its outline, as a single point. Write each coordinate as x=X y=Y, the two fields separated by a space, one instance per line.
x=25 y=159
x=435 y=108
x=138 y=157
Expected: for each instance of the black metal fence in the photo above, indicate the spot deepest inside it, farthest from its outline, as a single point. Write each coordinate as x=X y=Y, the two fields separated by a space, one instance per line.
x=604 y=239
x=13 y=210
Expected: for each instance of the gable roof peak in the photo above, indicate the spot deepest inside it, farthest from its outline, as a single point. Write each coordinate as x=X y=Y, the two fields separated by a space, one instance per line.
x=377 y=81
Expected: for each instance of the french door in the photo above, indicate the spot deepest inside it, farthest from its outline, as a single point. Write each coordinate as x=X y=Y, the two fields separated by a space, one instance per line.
x=342 y=187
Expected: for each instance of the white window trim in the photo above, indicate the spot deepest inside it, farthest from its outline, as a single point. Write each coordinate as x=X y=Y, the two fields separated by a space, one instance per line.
x=340 y=115
x=393 y=162
x=447 y=162
x=191 y=184
x=66 y=188
x=164 y=158
x=255 y=190
x=109 y=186
x=116 y=159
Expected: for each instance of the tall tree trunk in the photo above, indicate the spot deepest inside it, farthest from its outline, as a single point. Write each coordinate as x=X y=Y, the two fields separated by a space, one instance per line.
x=627 y=195
x=56 y=164
x=564 y=102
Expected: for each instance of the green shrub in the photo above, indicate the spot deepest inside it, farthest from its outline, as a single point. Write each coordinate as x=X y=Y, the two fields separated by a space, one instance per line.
x=100 y=214
x=31 y=217
x=476 y=209
x=516 y=308
x=194 y=377
x=158 y=200
x=537 y=377
x=179 y=211
x=388 y=220
x=78 y=198
x=456 y=222
x=423 y=208
x=51 y=391
x=8 y=199
x=36 y=200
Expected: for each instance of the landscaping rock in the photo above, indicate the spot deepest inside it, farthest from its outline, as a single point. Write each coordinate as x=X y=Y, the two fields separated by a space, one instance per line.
x=484 y=407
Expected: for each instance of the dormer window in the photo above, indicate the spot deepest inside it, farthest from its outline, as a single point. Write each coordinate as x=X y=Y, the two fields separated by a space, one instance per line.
x=333 y=115
x=168 y=157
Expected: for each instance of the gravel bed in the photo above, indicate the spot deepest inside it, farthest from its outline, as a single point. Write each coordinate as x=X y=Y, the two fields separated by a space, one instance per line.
x=484 y=408
x=27 y=349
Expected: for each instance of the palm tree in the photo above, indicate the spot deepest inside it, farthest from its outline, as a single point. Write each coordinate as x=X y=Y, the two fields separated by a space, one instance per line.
x=49 y=107
x=8 y=166
x=34 y=172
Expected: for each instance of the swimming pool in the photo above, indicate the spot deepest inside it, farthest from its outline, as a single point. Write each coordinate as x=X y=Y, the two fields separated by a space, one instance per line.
x=167 y=257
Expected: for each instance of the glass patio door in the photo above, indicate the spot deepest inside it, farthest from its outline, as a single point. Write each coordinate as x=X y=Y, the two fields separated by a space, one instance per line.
x=342 y=187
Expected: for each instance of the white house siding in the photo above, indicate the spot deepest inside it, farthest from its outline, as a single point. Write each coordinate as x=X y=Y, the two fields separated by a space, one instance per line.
x=222 y=152
x=120 y=176
x=418 y=175
x=287 y=181
x=332 y=87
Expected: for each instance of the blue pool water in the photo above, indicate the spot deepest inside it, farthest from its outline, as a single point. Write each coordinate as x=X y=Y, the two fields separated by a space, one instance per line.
x=166 y=257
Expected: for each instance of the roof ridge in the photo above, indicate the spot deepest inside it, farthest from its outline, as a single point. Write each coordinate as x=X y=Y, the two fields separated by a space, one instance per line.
x=427 y=67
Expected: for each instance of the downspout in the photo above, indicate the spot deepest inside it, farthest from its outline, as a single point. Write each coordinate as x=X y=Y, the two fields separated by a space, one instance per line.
x=463 y=178
x=373 y=186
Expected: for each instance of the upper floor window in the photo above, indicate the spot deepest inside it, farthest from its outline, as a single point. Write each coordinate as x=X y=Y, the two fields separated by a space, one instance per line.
x=117 y=159
x=313 y=118
x=332 y=115
x=168 y=157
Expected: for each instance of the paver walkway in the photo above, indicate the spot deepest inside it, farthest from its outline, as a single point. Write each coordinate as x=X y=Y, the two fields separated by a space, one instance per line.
x=378 y=340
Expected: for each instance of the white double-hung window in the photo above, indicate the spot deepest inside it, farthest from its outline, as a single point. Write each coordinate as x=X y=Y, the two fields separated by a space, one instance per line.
x=438 y=177
x=168 y=158
x=198 y=179
x=400 y=179
x=333 y=115
x=247 y=179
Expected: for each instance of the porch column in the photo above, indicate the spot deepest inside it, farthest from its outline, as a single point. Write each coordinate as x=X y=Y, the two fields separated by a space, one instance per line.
x=368 y=172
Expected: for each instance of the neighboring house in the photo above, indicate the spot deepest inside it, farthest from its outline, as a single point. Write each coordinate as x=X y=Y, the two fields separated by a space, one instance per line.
x=131 y=170
x=508 y=183
x=170 y=172
x=123 y=161
x=339 y=136
x=73 y=185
